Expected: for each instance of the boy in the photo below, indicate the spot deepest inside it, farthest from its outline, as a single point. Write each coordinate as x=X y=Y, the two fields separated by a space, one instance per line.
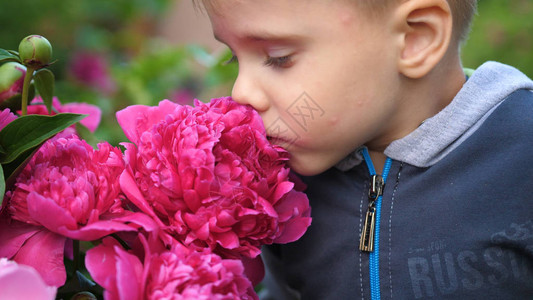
x=351 y=88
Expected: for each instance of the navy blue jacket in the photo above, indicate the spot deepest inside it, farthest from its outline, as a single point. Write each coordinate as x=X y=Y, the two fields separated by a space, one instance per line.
x=460 y=228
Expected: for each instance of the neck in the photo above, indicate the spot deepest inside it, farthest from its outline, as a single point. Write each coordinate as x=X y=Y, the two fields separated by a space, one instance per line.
x=378 y=160
x=420 y=99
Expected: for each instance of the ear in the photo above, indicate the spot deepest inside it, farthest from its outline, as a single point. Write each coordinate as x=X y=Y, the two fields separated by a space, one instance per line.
x=425 y=28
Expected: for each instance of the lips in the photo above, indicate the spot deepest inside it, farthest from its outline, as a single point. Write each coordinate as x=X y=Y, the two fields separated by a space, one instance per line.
x=274 y=139
x=280 y=141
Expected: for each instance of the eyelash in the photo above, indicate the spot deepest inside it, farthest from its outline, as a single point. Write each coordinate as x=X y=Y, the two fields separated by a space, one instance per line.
x=276 y=62
x=233 y=59
x=279 y=62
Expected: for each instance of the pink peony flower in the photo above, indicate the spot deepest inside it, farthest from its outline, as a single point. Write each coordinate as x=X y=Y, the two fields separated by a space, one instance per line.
x=210 y=178
x=22 y=282
x=91 y=121
x=68 y=189
x=179 y=273
x=6 y=116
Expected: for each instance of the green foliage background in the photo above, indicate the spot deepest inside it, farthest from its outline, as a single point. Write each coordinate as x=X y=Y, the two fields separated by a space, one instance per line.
x=146 y=69
x=502 y=31
x=143 y=68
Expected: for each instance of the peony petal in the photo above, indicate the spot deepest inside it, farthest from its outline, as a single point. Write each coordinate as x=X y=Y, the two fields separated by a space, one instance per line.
x=233 y=118
x=293 y=230
x=195 y=221
x=282 y=189
x=129 y=275
x=118 y=272
x=254 y=269
x=203 y=232
x=95 y=230
x=136 y=119
x=101 y=264
x=41 y=209
x=44 y=252
x=267 y=207
x=191 y=199
x=40 y=109
x=299 y=185
x=6 y=116
x=13 y=234
x=225 y=219
x=130 y=188
x=139 y=219
x=94 y=113
x=228 y=240
x=294 y=212
x=22 y=282
x=293 y=204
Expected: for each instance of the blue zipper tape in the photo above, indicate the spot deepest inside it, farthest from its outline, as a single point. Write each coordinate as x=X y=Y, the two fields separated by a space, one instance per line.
x=374 y=255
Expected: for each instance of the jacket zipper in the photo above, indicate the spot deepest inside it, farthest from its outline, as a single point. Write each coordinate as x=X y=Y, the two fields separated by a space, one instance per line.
x=370 y=234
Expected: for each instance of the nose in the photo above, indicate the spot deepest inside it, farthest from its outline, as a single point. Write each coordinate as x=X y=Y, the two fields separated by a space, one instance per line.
x=247 y=90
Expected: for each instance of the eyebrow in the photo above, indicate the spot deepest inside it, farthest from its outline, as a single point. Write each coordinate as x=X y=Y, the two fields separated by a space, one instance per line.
x=266 y=36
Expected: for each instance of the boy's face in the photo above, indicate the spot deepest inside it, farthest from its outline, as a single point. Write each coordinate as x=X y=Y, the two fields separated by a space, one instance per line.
x=321 y=76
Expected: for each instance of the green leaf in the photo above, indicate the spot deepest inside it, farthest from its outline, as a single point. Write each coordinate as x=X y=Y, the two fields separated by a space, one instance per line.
x=87 y=135
x=6 y=56
x=30 y=131
x=44 y=82
x=79 y=283
x=14 y=168
x=2 y=185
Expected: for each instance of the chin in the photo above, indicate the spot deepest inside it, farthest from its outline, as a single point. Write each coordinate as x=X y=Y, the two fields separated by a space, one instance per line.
x=307 y=167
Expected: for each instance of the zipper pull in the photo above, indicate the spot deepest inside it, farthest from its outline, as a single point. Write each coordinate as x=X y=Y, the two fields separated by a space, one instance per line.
x=376 y=188
x=367 y=235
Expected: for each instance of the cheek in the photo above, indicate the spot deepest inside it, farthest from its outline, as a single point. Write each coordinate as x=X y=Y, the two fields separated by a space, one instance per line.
x=333 y=121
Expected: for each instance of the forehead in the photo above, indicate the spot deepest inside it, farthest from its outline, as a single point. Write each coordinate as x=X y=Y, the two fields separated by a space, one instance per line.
x=242 y=17
x=215 y=6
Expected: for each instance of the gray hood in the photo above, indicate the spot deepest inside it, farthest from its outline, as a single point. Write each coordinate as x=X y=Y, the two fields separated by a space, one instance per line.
x=488 y=86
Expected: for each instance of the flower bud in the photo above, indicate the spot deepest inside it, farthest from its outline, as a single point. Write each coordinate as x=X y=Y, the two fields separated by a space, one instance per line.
x=11 y=79
x=35 y=51
x=83 y=296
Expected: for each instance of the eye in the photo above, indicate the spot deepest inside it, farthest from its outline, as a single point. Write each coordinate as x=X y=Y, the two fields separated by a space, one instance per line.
x=280 y=62
x=232 y=60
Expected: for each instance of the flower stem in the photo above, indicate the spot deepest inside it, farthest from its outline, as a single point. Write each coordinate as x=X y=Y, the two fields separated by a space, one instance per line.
x=121 y=241
x=76 y=254
x=26 y=89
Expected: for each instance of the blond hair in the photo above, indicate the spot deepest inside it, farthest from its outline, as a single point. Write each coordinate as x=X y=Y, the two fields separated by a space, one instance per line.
x=463 y=12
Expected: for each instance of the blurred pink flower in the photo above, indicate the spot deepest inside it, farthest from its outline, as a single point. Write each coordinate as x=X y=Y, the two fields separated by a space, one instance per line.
x=68 y=189
x=178 y=273
x=182 y=97
x=91 y=69
x=209 y=177
x=6 y=116
x=22 y=282
x=91 y=121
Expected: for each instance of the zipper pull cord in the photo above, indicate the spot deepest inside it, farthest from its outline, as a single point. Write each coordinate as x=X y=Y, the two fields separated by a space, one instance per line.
x=376 y=189
x=366 y=243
